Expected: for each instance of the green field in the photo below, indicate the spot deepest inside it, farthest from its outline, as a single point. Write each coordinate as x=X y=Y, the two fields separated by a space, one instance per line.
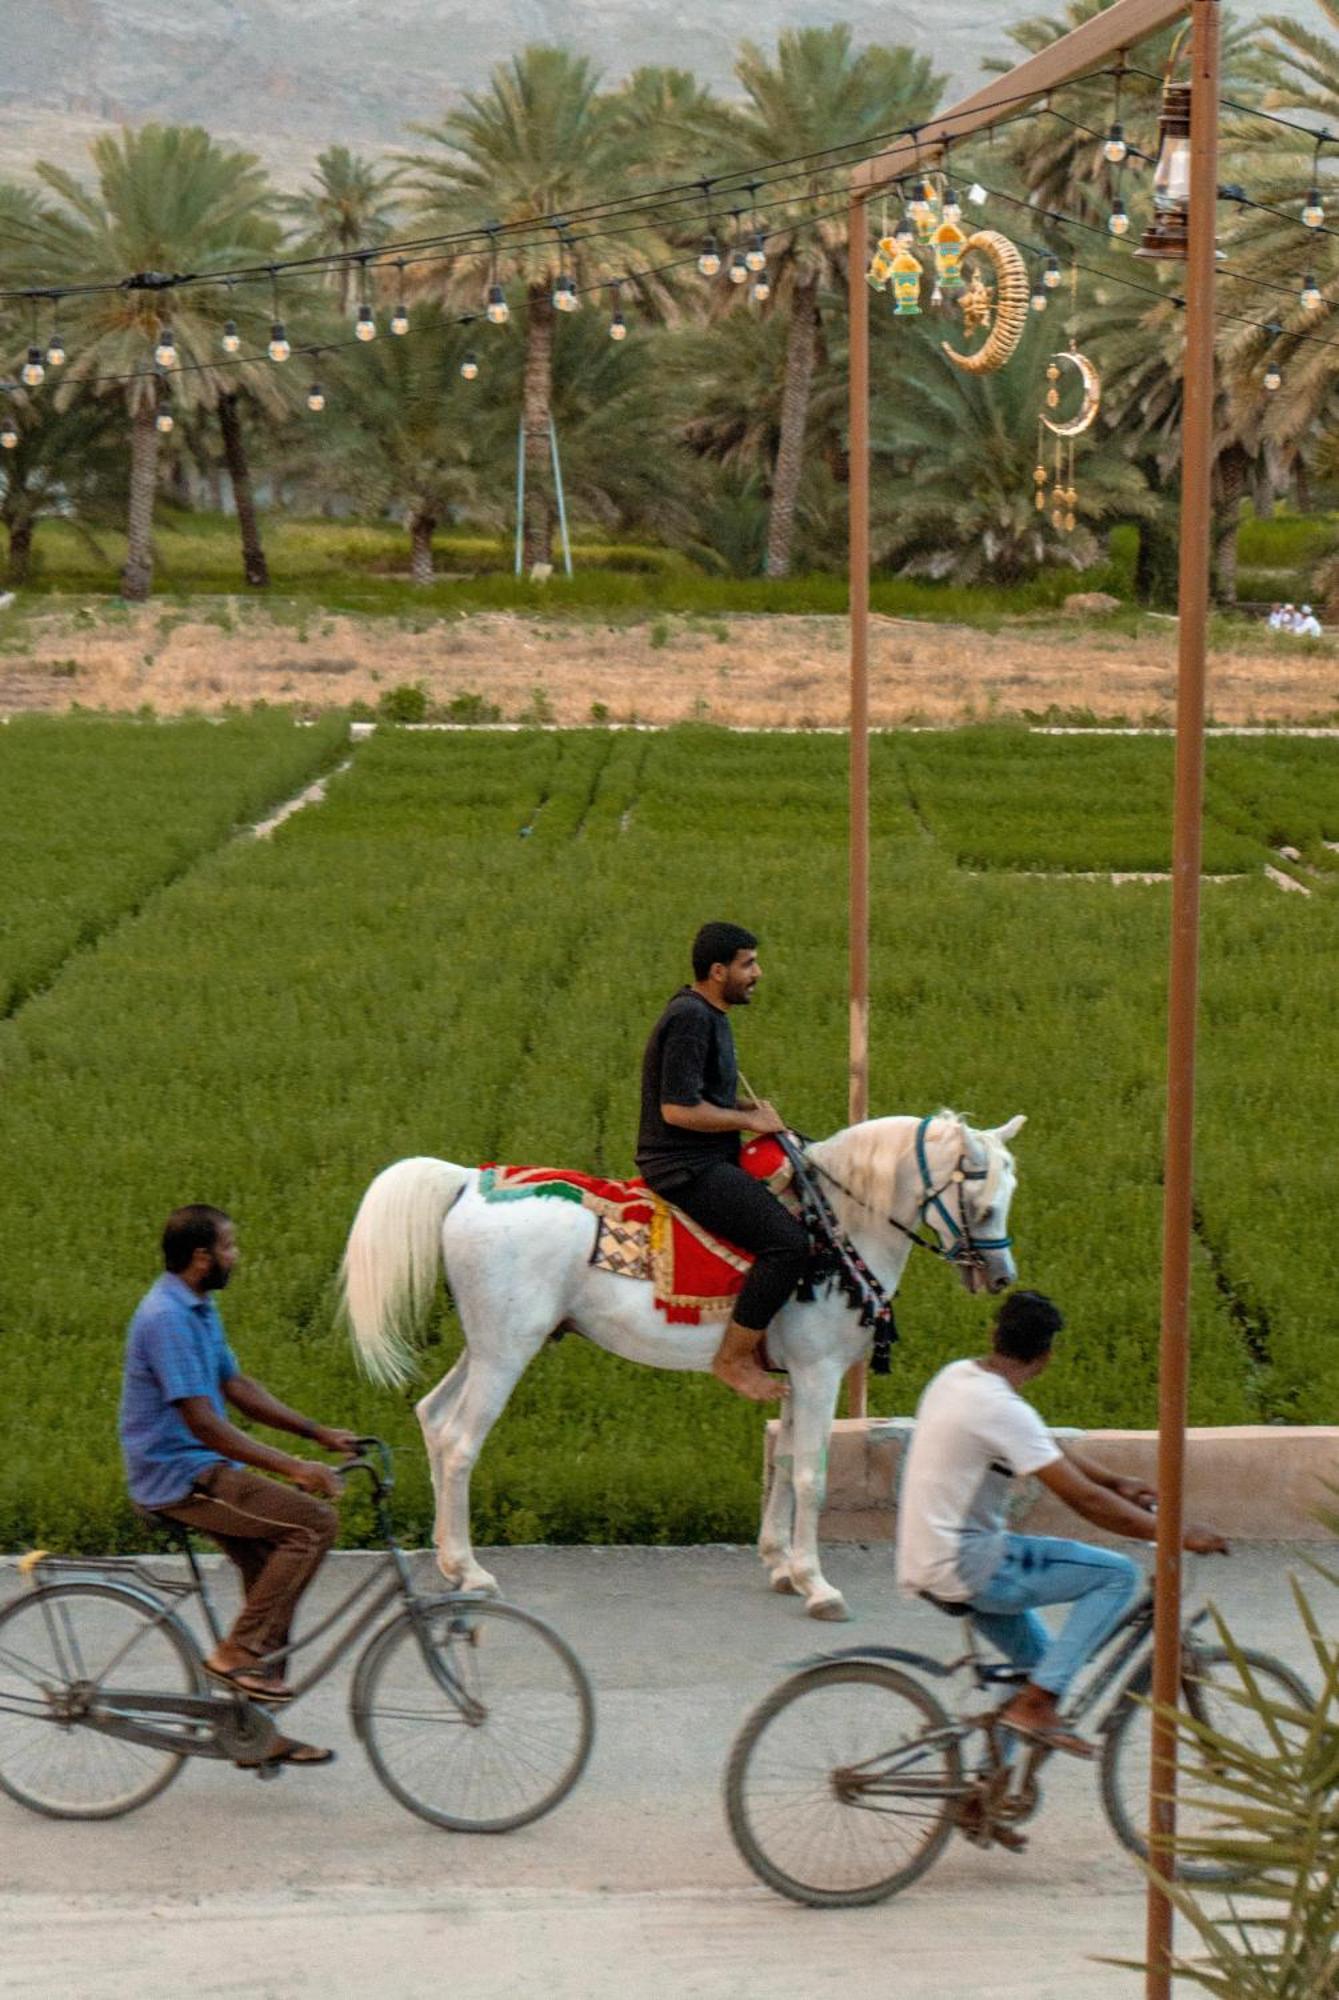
x=460 y=953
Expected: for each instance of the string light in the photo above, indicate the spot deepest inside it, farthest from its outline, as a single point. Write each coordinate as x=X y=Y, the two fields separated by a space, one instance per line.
x=739 y=270
x=618 y=327
x=232 y=339
x=55 y=347
x=761 y=289
x=709 y=262
x=1312 y=299
x=499 y=312
x=279 y=349
x=1313 y=214
x=1118 y=222
x=400 y=317
x=1115 y=149
x=365 y=326
x=566 y=298
x=165 y=422
x=1051 y=276
x=165 y=353
x=469 y=367
x=9 y=437
x=316 y=398
x=33 y=373
x=1273 y=377
x=1040 y=298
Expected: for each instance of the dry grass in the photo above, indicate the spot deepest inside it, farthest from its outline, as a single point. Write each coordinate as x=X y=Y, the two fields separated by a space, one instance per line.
x=756 y=672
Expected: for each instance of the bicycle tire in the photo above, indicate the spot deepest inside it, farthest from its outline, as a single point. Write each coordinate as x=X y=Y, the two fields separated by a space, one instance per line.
x=526 y=1677
x=1125 y=1797
x=820 y=1684
x=34 y=1630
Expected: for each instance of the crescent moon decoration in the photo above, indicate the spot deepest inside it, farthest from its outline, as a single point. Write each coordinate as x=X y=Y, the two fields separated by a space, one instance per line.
x=1092 y=397
x=1011 y=303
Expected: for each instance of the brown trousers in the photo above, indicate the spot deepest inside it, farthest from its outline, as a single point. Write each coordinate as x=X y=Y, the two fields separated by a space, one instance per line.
x=278 y=1538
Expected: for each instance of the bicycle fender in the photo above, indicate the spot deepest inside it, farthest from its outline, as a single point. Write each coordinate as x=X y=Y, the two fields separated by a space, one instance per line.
x=902 y=1654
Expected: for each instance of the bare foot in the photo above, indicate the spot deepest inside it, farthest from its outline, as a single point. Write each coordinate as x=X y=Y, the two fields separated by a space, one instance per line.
x=746 y=1378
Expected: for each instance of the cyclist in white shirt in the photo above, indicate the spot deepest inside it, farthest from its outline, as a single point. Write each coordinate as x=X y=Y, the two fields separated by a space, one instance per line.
x=974 y=1434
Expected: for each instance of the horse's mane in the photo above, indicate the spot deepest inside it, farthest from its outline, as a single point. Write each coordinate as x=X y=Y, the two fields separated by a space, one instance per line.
x=865 y=1158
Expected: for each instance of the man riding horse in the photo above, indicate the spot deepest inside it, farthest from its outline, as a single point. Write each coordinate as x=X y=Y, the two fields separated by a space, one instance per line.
x=688 y=1145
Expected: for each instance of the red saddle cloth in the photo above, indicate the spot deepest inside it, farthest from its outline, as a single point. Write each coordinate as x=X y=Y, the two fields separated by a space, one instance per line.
x=696 y=1275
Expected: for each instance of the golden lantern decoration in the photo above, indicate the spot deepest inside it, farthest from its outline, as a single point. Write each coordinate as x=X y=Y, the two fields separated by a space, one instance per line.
x=1167 y=236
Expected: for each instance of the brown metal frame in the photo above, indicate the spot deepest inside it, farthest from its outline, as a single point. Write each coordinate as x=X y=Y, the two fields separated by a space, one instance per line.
x=1088 y=47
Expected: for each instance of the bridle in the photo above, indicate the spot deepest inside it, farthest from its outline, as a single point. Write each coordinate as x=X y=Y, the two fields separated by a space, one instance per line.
x=964 y=1248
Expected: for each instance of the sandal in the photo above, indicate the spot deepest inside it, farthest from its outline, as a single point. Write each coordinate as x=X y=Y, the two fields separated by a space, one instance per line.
x=250 y=1682
x=289 y=1751
x=1048 y=1737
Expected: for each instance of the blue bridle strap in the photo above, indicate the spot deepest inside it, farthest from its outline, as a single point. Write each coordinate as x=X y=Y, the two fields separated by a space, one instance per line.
x=932 y=1197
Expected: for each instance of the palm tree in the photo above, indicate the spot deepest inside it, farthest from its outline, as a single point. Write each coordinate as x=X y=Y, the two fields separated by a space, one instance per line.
x=346 y=209
x=816 y=95
x=541 y=141
x=168 y=199
x=67 y=462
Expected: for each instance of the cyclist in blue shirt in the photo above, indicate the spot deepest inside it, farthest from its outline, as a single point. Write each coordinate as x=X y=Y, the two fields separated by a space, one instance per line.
x=187 y=1460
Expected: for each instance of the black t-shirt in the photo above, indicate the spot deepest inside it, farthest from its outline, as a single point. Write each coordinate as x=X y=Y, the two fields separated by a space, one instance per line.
x=690 y=1057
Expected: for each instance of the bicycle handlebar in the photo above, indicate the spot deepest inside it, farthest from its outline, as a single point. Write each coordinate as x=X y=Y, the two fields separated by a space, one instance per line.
x=379 y=1473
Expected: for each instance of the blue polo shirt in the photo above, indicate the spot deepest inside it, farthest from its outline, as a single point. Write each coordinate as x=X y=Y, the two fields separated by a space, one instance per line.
x=175 y=1348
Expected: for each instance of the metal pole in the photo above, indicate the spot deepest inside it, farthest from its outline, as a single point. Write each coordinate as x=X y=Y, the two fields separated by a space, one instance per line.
x=858 y=1092
x=1173 y=1366
x=520 y=494
x=558 y=490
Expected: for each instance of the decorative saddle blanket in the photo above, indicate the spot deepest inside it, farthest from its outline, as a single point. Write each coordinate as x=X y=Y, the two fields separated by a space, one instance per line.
x=638 y=1234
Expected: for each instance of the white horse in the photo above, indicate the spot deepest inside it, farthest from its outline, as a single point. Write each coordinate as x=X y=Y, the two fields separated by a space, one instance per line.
x=519 y=1270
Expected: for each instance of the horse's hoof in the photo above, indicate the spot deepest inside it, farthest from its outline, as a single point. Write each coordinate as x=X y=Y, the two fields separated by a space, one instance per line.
x=831 y=1607
x=783 y=1583
x=480 y=1582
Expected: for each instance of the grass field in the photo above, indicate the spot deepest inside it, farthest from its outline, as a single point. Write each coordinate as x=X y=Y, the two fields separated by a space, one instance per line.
x=460 y=952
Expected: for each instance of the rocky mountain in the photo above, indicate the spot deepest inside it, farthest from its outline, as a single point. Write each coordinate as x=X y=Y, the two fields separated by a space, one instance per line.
x=287 y=77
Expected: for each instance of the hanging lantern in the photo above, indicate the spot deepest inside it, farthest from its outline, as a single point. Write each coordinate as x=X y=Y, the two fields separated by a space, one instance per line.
x=925 y=211
x=1167 y=235
x=948 y=243
x=881 y=264
x=907 y=283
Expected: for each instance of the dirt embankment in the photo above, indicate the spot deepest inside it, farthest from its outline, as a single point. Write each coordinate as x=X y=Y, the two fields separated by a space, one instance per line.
x=756 y=672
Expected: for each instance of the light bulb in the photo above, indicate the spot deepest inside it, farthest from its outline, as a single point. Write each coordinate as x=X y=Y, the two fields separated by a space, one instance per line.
x=165 y=421
x=761 y=289
x=739 y=270
x=400 y=320
x=469 y=367
x=165 y=354
x=499 y=312
x=1050 y=277
x=365 y=327
x=1118 y=222
x=618 y=327
x=1273 y=378
x=55 y=353
x=1115 y=148
x=9 y=438
x=709 y=263
x=756 y=255
x=1313 y=215
x=316 y=397
x=1311 y=294
x=232 y=339
x=279 y=349
x=566 y=299
x=33 y=372
x=1039 y=299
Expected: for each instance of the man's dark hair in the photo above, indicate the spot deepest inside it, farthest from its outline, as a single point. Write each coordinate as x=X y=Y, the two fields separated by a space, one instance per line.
x=1027 y=1325
x=195 y=1227
x=716 y=944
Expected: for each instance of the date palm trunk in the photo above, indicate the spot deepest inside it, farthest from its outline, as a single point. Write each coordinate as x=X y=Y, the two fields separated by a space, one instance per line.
x=1232 y=473
x=254 y=566
x=20 y=549
x=421 y=526
x=137 y=575
x=536 y=411
x=801 y=344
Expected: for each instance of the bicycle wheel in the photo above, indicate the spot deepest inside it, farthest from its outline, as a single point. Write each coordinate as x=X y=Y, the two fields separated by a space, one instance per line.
x=474 y=1714
x=59 y=1647
x=840 y=1787
x=1214 y=1693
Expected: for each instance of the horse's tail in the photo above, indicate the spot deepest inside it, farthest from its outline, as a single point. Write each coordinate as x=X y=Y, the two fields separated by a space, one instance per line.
x=391 y=1261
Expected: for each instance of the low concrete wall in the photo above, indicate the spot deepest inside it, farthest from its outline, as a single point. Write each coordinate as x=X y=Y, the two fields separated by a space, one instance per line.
x=1255 y=1483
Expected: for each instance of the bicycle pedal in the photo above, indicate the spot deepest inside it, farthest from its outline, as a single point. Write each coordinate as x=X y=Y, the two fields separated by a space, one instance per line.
x=1007 y=1837
x=267 y=1771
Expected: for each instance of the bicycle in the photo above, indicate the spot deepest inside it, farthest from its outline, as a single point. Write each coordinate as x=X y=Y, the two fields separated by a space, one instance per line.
x=473 y=1713
x=846 y=1783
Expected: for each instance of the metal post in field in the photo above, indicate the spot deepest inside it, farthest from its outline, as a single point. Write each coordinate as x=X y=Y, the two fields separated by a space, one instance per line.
x=1178 y=1189
x=858 y=1091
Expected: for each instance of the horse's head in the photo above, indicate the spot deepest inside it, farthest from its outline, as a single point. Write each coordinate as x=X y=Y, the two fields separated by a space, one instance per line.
x=968 y=1183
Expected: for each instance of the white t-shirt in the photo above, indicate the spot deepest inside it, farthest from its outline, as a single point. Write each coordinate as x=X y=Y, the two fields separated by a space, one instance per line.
x=973 y=1434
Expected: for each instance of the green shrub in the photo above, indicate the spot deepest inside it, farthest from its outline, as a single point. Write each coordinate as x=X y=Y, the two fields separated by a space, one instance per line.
x=406 y=703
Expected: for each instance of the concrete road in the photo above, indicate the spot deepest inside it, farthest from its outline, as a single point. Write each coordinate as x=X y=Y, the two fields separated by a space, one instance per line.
x=320 y=1883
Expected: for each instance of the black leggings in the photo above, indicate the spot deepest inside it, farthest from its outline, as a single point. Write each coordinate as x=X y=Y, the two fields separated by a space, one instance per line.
x=732 y=1204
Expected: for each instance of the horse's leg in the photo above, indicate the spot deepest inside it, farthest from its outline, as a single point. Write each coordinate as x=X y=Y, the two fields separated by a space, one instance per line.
x=459 y=1439
x=779 y=1513
x=813 y=1399
x=432 y=1412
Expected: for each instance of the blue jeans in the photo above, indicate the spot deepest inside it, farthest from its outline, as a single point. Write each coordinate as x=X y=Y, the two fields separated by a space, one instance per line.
x=1042 y=1569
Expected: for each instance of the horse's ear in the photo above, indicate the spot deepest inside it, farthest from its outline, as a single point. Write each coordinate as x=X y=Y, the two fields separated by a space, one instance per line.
x=1004 y=1133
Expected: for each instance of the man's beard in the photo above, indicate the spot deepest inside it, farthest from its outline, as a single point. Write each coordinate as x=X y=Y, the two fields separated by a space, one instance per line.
x=217 y=1276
